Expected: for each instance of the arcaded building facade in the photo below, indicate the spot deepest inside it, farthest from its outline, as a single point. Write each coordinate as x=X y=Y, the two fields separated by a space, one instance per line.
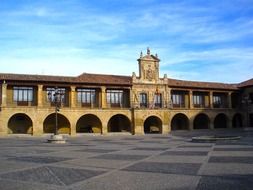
x=137 y=104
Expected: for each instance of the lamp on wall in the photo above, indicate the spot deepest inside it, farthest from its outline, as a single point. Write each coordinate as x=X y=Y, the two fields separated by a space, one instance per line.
x=55 y=97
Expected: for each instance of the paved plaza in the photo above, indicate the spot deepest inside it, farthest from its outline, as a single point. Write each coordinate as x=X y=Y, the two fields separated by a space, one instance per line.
x=127 y=162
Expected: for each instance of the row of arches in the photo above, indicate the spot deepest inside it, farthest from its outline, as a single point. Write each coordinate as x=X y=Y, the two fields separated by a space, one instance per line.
x=21 y=123
x=202 y=121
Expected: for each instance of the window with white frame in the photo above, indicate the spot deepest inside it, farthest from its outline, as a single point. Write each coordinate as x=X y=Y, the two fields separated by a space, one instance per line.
x=114 y=97
x=86 y=96
x=22 y=94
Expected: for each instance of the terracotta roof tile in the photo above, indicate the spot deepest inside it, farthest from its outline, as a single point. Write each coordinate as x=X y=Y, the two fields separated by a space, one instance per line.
x=118 y=80
x=83 y=78
x=35 y=78
x=246 y=83
x=104 y=79
x=206 y=85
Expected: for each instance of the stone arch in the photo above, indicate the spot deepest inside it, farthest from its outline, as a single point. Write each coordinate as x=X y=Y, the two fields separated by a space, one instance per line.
x=201 y=121
x=220 y=121
x=119 y=123
x=63 y=124
x=153 y=124
x=89 y=123
x=180 y=122
x=20 y=123
x=237 y=121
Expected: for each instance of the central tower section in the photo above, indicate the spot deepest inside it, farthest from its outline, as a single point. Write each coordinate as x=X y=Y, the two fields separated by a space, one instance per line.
x=148 y=67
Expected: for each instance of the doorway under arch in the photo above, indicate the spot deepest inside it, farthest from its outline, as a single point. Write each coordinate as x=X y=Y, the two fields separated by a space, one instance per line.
x=201 y=121
x=89 y=123
x=20 y=123
x=63 y=124
x=237 y=121
x=119 y=123
x=220 y=121
x=153 y=124
x=180 y=122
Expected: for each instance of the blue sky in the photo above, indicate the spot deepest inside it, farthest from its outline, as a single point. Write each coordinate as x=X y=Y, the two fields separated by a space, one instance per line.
x=195 y=39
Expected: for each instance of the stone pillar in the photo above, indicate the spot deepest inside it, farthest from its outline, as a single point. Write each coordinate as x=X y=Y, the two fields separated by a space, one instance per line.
x=191 y=124
x=165 y=129
x=38 y=124
x=73 y=96
x=211 y=99
x=4 y=94
x=230 y=123
x=104 y=128
x=211 y=126
x=139 y=125
x=229 y=100
x=73 y=129
x=103 y=97
x=190 y=100
x=131 y=94
x=169 y=98
x=139 y=130
x=40 y=96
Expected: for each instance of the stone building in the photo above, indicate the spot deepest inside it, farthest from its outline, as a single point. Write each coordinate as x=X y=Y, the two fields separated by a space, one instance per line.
x=147 y=103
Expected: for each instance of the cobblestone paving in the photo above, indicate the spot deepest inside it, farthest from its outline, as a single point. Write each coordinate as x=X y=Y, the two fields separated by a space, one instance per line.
x=127 y=162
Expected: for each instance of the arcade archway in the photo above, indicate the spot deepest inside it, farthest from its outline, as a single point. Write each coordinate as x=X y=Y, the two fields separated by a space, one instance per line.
x=180 y=122
x=20 y=124
x=63 y=124
x=201 y=121
x=89 y=124
x=220 y=121
x=153 y=124
x=119 y=123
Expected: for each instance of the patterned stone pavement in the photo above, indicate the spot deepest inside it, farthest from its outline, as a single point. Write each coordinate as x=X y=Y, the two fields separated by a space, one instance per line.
x=127 y=162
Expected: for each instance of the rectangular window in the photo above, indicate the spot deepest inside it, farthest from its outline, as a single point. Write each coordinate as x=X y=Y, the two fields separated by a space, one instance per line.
x=219 y=101
x=86 y=96
x=22 y=94
x=143 y=100
x=114 y=97
x=51 y=94
x=158 y=100
x=198 y=100
x=178 y=100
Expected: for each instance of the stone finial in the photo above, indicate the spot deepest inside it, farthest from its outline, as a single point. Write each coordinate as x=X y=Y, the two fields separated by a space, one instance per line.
x=156 y=55
x=165 y=76
x=133 y=74
x=148 y=51
x=141 y=54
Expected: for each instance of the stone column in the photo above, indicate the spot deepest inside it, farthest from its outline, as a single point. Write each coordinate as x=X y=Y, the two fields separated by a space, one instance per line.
x=38 y=123
x=73 y=96
x=211 y=125
x=131 y=94
x=4 y=94
x=139 y=124
x=169 y=104
x=103 y=97
x=73 y=129
x=230 y=122
x=191 y=100
x=191 y=123
x=229 y=100
x=104 y=128
x=40 y=95
x=211 y=99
